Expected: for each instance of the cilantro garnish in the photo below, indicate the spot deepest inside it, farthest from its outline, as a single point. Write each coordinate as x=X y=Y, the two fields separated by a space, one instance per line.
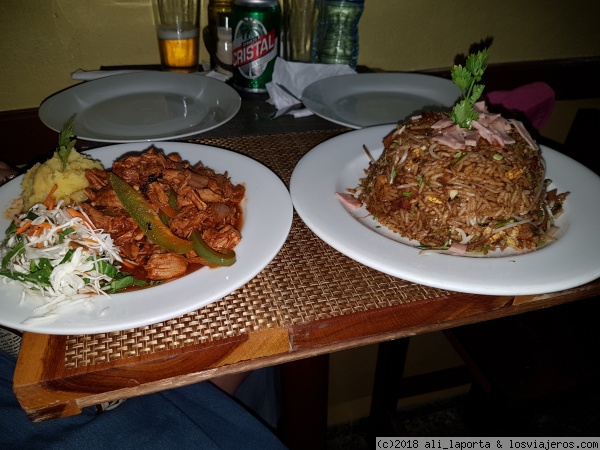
x=467 y=78
x=66 y=143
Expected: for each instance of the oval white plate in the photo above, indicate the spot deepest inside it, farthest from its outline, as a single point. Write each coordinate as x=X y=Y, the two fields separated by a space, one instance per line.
x=267 y=220
x=339 y=163
x=364 y=100
x=144 y=106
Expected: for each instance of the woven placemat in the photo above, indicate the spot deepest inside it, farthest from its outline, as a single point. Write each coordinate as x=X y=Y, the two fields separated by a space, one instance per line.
x=307 y=280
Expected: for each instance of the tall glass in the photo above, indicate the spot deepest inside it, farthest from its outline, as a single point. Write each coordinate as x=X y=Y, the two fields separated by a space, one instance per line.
x=300 y=23
x=178 y=33
x=219 y=35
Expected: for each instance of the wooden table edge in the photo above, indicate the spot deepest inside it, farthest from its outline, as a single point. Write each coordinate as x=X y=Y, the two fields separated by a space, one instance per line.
x=46 y=392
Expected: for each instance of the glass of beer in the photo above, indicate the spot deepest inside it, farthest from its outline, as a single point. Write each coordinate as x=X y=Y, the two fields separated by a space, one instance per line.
x=178 y=33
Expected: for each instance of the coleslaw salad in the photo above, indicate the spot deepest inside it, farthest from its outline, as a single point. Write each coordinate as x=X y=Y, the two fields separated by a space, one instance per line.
x=59 y=258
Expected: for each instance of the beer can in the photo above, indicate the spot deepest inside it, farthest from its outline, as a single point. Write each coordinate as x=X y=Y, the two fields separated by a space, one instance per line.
x=256 y=26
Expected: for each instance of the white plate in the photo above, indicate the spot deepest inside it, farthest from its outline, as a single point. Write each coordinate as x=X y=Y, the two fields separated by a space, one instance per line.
x=267 y=221
x=364 y=100
x=145 y=106
x=339 y=163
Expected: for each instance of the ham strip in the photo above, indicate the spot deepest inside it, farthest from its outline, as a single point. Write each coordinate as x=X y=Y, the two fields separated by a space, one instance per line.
x=442 y=123
x=500 y=129
x=484 y=132
x=348 y=201
x=452 y=137
x=524 y=133
x=492 y=127
x=471 y=138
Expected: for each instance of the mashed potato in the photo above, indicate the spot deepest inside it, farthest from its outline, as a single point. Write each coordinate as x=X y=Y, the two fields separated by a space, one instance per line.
x=41 y=178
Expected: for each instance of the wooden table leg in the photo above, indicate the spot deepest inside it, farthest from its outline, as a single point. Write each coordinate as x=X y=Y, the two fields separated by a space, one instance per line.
x=304 y=401
x=391 y=358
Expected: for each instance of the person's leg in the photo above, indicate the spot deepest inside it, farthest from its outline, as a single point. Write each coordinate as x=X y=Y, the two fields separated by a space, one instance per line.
x=230 y=383
x=195 y=416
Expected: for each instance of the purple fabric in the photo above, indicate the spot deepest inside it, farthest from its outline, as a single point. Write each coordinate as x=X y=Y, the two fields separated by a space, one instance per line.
x=535 y=101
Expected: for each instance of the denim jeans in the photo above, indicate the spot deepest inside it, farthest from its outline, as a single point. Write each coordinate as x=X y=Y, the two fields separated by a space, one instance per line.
x=198 y=416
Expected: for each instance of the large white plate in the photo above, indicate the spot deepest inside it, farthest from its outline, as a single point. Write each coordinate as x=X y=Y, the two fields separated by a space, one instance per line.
x=144 y=106
x=339 y=163
x=267 y=221
x=364 y=100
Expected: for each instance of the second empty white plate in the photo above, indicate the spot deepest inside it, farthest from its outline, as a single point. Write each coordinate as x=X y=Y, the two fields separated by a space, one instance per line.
x=364 y=100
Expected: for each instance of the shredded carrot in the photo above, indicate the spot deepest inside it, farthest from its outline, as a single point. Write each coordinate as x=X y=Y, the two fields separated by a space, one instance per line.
x=75 y=213
x=37 y=229
x=23 y=227
x=49 y=201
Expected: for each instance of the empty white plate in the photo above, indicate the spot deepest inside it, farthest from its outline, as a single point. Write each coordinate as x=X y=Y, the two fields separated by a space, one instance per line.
x=142 y=106
x=364 y=100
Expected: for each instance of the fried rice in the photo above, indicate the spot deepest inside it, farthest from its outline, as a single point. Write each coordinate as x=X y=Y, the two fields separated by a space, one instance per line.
x=476 y=190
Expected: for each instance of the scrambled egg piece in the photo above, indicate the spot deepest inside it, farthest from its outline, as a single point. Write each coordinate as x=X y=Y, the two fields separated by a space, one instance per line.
x=513 y=173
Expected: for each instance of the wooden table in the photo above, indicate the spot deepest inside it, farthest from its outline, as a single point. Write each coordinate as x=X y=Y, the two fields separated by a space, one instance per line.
x=308 y=302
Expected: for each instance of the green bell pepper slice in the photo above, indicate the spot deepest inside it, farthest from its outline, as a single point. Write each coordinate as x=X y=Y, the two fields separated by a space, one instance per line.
x=210 y=255
x=146 y=218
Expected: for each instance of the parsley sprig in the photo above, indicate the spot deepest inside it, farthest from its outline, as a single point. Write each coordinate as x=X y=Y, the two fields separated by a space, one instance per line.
x=66 y=143
x=467 y=79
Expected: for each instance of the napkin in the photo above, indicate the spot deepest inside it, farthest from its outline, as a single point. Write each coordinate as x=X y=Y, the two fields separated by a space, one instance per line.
x=88 y=75
x=535 y=101
x=294 y=77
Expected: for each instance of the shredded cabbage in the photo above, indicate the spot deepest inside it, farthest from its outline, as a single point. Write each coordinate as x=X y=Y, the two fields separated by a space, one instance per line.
x=58 y=256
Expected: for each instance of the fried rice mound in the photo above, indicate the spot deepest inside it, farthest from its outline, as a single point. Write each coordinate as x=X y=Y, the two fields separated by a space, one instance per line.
x=478 y=190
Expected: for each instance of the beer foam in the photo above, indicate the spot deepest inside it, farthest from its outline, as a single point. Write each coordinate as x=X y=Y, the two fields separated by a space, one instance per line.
x=173 y=32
